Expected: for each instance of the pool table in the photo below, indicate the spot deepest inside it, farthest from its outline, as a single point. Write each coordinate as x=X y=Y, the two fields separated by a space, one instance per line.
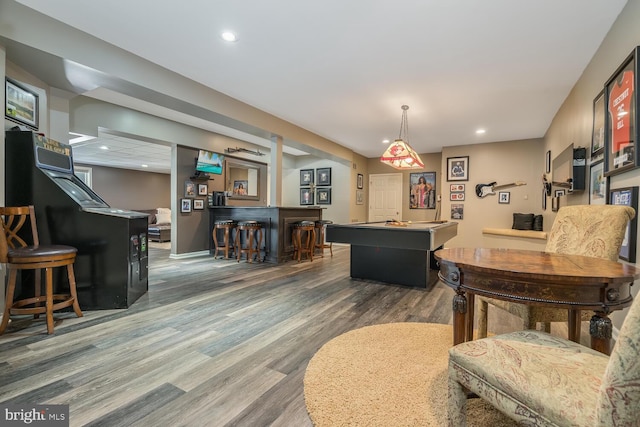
x=394 y=252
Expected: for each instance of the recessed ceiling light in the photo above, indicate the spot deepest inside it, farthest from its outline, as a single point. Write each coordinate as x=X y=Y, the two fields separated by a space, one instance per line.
x=145 y=166
x=104 y=147
x=385 y=141
x=480 y=131
x=229 y=36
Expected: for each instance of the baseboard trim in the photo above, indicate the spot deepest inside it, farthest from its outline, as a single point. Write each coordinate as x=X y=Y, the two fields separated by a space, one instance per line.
x=189 y=255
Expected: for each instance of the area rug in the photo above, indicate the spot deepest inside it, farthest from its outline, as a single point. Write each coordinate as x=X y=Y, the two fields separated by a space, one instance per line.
x=387 y=375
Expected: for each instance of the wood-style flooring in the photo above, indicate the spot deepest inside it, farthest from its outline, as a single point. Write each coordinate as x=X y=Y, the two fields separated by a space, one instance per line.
x=213 y=343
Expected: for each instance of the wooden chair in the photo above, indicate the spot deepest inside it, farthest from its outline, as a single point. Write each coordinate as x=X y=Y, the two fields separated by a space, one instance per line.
x=18 y=255
x=303 y=245
x=321 y=244
x=252 y=240
x=541 y=380
x=589 y=230
x=227 y=244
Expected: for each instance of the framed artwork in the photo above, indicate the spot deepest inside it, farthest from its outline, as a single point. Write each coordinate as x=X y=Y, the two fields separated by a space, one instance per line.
x=457 y=211
x=422 y=190
x=597 y=184
x=198 y=204
x=323 y=176
x=597 y=134
x=189 y=189
x=360 y=182
x=359 y=197
x=458 y=168
x=456 y=197
x=628 y=197
x=547 y=162
x=306 y=177
x=504 y=197
x=456 y=188
x=306 y=196
x=185 y=205
x=21 y=104
x=240 y=187
x=621 y=120
x=559 y=193
x=203 y=189
x=324 y=196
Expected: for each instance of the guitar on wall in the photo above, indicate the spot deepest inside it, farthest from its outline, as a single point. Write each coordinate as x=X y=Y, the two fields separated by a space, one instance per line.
x=483 y=190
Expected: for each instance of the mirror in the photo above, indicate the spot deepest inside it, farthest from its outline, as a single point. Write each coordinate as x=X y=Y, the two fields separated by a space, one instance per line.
x=242 y=179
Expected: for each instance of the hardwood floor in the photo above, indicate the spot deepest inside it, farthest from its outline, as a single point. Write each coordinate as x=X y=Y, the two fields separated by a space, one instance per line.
x=213 y=343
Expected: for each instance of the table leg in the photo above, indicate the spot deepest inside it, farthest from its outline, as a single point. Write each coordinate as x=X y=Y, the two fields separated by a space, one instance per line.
x=470 y=316
x=574 y=325
x=600 y=329
x=459 y=317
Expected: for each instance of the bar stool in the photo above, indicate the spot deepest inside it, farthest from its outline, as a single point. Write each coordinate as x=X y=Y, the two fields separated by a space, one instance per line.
x=228 y=225
x=17 y=254
x=252 y=239
x=306 y=245
x=320 y=226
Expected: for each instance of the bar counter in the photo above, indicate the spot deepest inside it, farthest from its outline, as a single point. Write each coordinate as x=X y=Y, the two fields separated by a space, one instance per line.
x=277 y=223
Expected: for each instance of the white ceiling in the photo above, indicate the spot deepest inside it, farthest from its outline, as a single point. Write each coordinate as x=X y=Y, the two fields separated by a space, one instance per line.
x=342 y=69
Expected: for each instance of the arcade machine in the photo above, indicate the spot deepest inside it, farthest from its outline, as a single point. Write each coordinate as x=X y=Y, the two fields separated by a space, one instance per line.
x=111 y=267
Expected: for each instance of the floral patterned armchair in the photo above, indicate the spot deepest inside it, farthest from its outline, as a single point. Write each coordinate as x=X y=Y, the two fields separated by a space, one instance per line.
x=541 y=380
x=588 y=230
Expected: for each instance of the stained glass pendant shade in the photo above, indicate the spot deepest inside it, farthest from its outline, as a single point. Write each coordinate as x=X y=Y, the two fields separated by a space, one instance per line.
x=399 y=154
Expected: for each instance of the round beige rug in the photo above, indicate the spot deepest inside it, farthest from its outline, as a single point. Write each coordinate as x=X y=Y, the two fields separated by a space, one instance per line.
x=387 y=375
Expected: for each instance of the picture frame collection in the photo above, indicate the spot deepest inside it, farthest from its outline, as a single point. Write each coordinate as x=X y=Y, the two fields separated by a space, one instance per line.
x=315 y=183
x=192 y=192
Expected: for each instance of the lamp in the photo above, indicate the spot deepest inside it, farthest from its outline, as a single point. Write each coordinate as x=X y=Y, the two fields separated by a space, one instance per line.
x=400 y=155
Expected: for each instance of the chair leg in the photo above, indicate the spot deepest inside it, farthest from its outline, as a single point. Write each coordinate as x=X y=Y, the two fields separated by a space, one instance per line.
x=483 y=312
x=49 y=298
x=11 y=287
x=38 y=289
x=457 y=403
x=72 y=290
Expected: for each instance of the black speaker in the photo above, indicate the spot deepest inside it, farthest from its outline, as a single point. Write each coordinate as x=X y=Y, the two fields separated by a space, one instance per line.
x=579 y=168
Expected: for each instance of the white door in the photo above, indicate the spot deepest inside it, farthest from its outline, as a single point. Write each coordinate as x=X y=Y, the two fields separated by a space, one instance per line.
x=385 y=197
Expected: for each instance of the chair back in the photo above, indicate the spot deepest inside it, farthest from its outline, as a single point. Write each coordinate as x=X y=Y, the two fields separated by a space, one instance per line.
x=619 y=397
x=12 y=220
x=590 y=230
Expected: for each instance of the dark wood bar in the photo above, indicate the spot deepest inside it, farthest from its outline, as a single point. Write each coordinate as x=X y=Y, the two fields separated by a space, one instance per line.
x=277 y=222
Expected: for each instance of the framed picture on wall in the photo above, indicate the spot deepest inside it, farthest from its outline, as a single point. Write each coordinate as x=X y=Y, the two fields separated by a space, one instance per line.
x=306 y=196
x=504 y=197
x=198 y=204
x=457 y=211
x=597 y=184
x=324 y=196
x=359 y=197
x=189 y=189
x=306 y=177
x=185 y=205
x=324 y=176
x=422 y=190
x=203 y=189
x=621 y=121
x=597 y=135
x=21 y=104
x=628 y=197
x=458 y=168
x=360 y=183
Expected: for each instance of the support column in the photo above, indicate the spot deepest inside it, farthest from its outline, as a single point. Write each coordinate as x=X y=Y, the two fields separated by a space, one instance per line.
x=275 y=174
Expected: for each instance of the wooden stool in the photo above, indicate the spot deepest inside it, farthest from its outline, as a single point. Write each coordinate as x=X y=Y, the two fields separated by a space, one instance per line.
x=228 y=225
x=306 y=245
x=18 y=255
x=252 y=238
x=320 y=226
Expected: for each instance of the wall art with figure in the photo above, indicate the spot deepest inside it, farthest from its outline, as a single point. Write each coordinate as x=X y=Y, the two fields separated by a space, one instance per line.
x=422 y=190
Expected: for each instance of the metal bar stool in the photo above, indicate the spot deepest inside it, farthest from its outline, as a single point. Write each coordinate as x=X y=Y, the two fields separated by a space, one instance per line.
x=252 y=239
x=228 y=225
x=306 y=245
x=320 y=226
x=17 y=254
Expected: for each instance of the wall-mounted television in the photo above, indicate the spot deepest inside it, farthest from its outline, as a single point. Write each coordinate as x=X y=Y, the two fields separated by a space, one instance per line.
x=209 y=162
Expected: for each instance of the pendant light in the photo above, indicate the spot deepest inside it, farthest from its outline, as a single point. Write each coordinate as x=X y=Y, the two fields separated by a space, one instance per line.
x=399 y=154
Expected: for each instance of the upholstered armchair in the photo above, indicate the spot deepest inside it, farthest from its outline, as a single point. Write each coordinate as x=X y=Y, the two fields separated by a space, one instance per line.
x=541 y=380
x=588 y=230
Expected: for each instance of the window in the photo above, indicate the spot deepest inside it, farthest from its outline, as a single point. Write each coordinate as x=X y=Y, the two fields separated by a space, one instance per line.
x=84 y=173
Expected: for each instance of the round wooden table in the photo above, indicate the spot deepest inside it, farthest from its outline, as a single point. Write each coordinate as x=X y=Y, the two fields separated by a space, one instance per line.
x=572 y=282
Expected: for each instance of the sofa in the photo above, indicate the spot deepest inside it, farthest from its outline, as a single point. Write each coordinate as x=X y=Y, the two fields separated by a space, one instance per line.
x=159 y=224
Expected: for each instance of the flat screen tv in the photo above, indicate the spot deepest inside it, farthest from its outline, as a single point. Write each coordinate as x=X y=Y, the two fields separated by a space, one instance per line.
x=209 y=162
